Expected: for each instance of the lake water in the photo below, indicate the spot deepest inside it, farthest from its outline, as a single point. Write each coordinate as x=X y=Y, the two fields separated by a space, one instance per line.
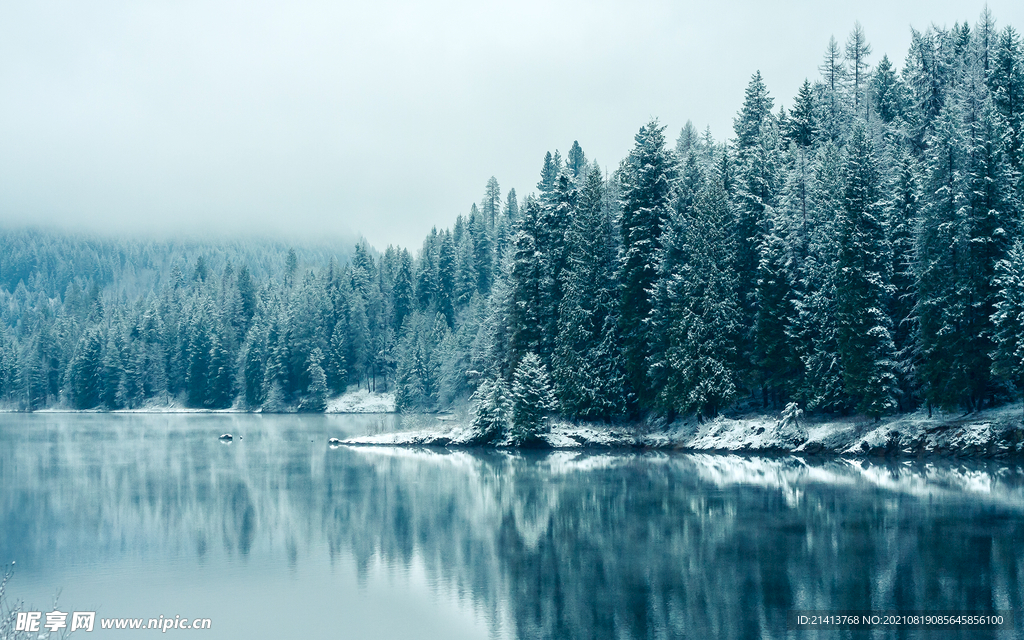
x=277 y=535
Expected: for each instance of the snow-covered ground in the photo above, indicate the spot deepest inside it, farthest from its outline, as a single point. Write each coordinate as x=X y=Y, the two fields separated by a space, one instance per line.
x=352 y=401
x=992 y=433
x=362 y=401
x=149 y=407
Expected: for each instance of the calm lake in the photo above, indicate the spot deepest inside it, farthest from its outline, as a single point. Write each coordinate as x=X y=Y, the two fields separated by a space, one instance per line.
x=276 y=535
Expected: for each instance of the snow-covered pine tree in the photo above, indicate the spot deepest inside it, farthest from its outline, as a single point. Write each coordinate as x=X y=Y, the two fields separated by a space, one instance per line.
x=857 y=51
x=774 y=356
x=967 y=224
x=691 y=178
x=758 y=183
x=492 y=414
x=402 y=292
x=689 y=140
x=446 y=275
x=1006 y=79
x=815 y=331
x=834 y=111
x=863 y=286
x=803 y=127
x=532 y=400
x=275 y=371
x=699 y=306
x=647 y=179
x=927 y=73
x=553 y=227
x=134 y=375
x=466 y=278
x=253 y=354
x=528 y=282
x=587 y=366
x=197 y=376
x=576 y=161
x=221 y=393
x=903 y=211
x=483 y=255
x=548 y=173
x=1008 y=319
x=112 y=391
x=756 y=110
x=490 y=206
x=84 y=372
x=315 y=398
x=9 y=373
x=887 y=92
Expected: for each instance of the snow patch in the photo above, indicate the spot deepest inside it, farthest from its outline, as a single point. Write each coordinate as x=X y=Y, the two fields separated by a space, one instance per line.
x=992 y=433
x=362 y=401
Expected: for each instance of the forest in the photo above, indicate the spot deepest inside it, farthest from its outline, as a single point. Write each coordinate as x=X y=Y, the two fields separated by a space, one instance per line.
x=857 y=253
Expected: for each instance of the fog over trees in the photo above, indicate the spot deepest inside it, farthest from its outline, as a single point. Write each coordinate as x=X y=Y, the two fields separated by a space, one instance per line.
x=858 y=252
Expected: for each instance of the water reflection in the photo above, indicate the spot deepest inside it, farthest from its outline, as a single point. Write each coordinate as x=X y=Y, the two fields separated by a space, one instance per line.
x=557 y=545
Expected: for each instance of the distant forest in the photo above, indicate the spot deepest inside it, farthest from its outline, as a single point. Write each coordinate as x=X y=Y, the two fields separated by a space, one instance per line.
x=859 y=252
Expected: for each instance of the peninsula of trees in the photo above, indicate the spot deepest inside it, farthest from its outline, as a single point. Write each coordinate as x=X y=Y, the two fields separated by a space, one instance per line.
x=859 y=252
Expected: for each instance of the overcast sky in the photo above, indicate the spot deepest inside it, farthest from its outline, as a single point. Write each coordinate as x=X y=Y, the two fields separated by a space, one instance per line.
x=382 y=119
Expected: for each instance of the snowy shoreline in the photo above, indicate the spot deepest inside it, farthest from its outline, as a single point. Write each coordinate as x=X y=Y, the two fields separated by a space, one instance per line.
x=357 y=401
x=993 y=433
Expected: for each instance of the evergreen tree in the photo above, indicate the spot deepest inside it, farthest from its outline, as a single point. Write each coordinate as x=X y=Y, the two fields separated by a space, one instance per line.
x=857 y=52
x=548 y=173
x=291 y=267
x=965 y=231
x=757 y=193
x=700 y=309
x=466 y=280
x=1008 y=319
x=221 y=393
x=689 y=140
x=197 y=357
x=134 y=391
x=815 y=330
x=402 y=293
x=85 y=371
x=576 y=161
x=927 y=73
x=587 y=366
x=315 y=399
x=903 y=218
x=247 y=295
x=887 y=92
x=773 y=318
x=492 y=414
x=337 y=374
x=803 y=127
x=532 y=400
x=528 y=282
x=253 y=354
x=1006 y=78
x=553 y=227
x=491 y=204
x=113 y=374
x=863 y=287
x=833 y=114
x=647 y=178
x=756 y=110
x=482 y=252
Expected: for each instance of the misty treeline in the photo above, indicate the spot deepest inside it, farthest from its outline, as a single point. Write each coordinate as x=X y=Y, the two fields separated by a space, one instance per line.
x=858 y=252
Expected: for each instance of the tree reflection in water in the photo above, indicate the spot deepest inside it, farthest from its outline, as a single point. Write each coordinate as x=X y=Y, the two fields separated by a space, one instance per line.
x=555 y=545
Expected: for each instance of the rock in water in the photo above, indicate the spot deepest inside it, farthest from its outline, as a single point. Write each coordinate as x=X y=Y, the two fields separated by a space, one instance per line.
x=226 y=437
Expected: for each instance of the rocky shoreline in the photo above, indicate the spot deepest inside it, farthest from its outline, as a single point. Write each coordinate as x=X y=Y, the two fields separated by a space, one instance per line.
x=994 y=433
